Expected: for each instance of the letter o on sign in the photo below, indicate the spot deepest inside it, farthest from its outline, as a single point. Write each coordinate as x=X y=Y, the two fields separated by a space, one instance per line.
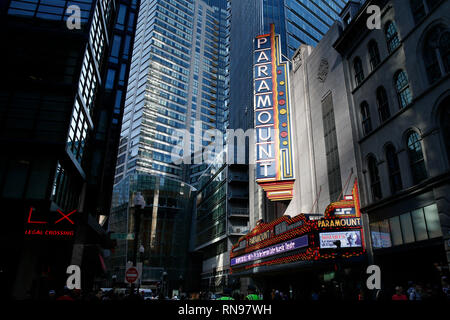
x=269 y=117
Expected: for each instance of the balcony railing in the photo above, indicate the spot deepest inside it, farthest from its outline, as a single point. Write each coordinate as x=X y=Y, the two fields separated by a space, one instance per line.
x=238 y=211
x=238 y=230
x=237 y=195
x=238 y=178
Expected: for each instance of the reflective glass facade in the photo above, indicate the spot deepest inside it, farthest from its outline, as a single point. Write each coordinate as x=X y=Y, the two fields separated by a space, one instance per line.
x=178 y=76
x=296 y=21
x=163 y=228
x=53 y=114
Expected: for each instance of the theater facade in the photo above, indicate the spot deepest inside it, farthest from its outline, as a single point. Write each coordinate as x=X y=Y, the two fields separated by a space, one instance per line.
x=306 y=253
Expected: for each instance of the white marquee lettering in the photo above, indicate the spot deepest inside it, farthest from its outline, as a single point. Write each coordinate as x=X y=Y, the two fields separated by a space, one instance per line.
x=265 y=165
x=269 y=117
x=261 y=41
x=267 y=151
x=263 y=86
x=261 y=138
x=262 y=57
x=264 y=100
x=262 y=70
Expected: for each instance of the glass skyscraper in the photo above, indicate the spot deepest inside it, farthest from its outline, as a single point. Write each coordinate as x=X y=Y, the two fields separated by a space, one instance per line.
x=300 y=21
x=57 y=123
x=178 y=80
x=178 y=76
x=296 y=21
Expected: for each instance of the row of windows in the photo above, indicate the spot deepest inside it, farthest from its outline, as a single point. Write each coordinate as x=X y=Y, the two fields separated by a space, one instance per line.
x=88 y=81
x=393 y=42
x=435 y=50
x=420 y=8
x=50 y=9
x=78 y=130
x=417 y=225
x=416 y=165
x=176 y=17
x=96 y=36
x=404 y=96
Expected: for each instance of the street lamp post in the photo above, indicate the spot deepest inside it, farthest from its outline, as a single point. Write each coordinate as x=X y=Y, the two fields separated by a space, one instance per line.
x=164 y=283
x=139 y=204
x=141 y=260
x=337 y=243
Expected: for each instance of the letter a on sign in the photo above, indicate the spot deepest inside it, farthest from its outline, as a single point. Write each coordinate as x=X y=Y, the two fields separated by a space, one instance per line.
x=374 y=281
x=74 y=280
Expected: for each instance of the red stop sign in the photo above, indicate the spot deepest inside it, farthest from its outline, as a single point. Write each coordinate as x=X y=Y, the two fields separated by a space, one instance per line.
x=131 y=275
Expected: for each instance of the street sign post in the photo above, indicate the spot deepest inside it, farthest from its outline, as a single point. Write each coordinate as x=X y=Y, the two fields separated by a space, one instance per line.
x=131 y=275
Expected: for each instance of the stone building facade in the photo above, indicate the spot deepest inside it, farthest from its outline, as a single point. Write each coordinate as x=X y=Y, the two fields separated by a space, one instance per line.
x=398 y=80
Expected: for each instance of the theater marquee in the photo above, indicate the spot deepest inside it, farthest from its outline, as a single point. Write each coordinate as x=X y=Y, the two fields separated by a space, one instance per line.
x=302 y=238
x=274 y=153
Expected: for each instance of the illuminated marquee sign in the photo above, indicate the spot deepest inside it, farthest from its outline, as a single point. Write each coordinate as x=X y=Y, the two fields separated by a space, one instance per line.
x=348 y=239
x=280 y=248
x=274 y=158
x=258 y=247
x=38 y=224
x=344 y=222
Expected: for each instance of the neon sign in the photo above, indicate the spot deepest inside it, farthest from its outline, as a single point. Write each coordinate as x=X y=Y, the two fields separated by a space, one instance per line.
x=37 y=228
x=274 y=158
x=272 y=250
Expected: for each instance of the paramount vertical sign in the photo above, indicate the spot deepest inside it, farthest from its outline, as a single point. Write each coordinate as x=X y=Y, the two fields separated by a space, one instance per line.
x=274 y=158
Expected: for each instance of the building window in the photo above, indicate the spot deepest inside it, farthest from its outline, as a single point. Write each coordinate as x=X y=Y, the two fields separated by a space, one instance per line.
x=396 y=232
x=392 y=38
x=436 y=52
x=402 y=87
x=445 y=120
x=417 y=225
x=395 y=178
x=374 y=54
x=365 y=116
x=110 y=77
x=375 y=182
x=383 y=104
x=416 y=158
x=331 y=148
x=418 y=10
x=432 y=4
x=358 y=69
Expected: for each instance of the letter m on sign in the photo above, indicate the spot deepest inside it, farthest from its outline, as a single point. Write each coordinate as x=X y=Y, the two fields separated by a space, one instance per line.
x=263 y=101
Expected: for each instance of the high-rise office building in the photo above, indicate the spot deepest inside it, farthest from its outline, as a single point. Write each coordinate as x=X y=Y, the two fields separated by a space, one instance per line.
x=177 y=77
x=296 y=21
x=178 y=80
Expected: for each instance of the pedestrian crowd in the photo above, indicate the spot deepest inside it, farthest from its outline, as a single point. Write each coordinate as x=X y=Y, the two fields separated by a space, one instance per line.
x=414 y=292
x=419 y=292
